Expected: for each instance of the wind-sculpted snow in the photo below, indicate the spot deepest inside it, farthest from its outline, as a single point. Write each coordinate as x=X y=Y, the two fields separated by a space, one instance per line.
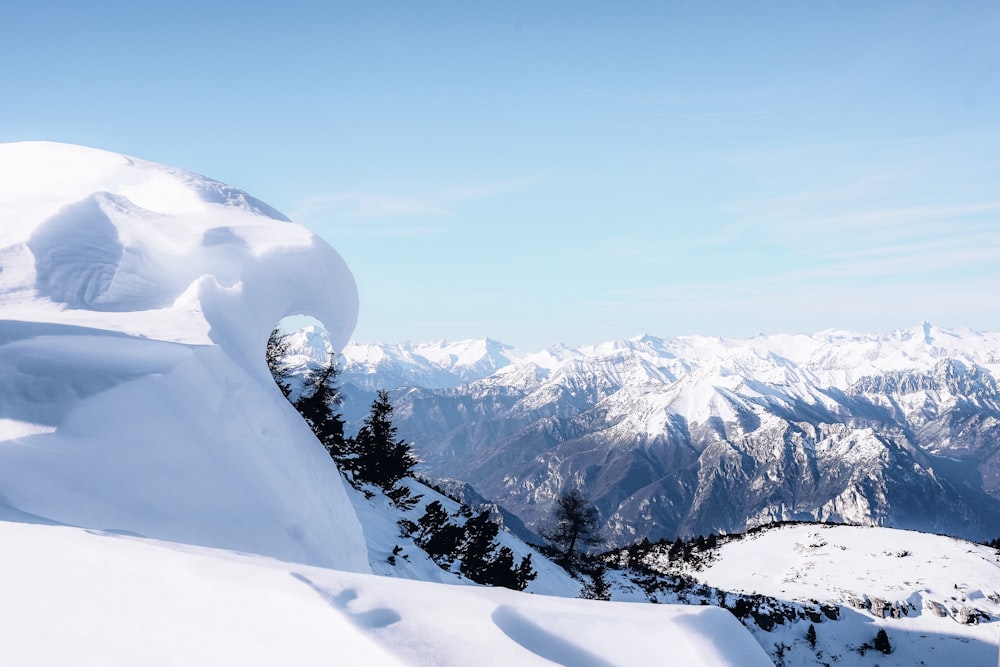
x=135 y=303
x=118 y=600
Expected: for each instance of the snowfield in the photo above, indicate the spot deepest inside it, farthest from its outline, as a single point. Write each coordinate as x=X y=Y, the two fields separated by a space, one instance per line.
x=163 y=504
x=938 y=598
x=84 y=597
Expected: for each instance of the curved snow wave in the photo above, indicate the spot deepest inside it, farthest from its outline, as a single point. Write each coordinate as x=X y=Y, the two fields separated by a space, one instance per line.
x=135 y=305
x=86 y=230
x=77 y=254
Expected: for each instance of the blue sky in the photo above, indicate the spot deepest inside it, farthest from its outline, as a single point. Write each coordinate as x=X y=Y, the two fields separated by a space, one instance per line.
x=567 y=172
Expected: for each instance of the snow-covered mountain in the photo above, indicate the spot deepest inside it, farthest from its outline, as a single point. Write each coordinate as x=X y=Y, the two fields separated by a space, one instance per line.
x=694 y=435
x=436 y=365
x=141 y=432
x=936 y=598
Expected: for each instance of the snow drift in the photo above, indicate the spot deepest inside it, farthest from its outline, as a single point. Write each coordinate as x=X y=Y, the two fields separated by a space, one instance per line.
x=127 y=601
x=135 y=304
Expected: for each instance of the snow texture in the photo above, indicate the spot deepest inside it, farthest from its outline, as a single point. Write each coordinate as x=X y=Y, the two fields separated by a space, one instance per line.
x=135 y=303
x=116 y=600
x=937 y=597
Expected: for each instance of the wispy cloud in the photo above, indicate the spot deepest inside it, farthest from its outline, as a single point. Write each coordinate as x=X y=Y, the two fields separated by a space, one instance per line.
x=409 y=207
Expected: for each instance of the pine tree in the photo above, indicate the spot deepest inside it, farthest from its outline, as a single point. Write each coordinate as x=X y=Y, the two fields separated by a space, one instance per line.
x=444 y=543
x=575 y=528
x=435 y=516
x=379 y=456
x=882 y=642
x=524 y=574
x=811 y=636
x=676 y=549
x=598 y=588
x=477 y=552
x=278 y=348
x=318 y=405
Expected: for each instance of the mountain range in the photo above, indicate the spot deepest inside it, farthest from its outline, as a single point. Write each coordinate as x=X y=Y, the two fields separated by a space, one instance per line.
x=693 y=435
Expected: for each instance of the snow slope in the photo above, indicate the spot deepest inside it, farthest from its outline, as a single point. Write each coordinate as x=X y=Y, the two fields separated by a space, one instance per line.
x=135 y=303
x=81 y=597
x=938 y=598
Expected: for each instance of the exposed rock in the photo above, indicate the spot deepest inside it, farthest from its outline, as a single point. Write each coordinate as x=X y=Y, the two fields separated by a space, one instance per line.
x=858 y=603
x=971 y=615
x=935 y=608
x=880 y=607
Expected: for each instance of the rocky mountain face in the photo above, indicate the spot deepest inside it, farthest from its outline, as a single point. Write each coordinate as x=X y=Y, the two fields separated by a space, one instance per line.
x=695 y=435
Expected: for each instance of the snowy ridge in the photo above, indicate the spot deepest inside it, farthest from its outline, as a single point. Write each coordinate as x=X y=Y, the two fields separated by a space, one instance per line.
x=818 y=594
x=696 y=434
x=938 y=598
x=435 y=365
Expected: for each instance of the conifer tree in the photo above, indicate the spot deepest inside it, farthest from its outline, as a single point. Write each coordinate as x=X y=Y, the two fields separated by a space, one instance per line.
x=598 y=588
x=482 y=560
x=277 y=349
x=524 y=574
x=443 y=543
x=882 y=642
x=676 y=549
x=318 y=405
x=477 y=552
x=575 y=528
x=435 y=516
x=379 y=456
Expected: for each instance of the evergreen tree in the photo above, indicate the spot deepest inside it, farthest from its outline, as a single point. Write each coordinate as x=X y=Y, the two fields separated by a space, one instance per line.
x=379 y=456
x=434 y=518
x=318 y=405
x=499 y=569
x=444 y=543
x=882 y=642
x=598 y=588
x=811 y=636
x=676 y=549
x=575 y=528
x=524 y=574
x=477 y=552
x=482 y=560
x=278 y=348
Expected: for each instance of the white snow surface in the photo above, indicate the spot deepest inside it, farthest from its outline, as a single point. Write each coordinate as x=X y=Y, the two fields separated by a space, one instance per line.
x=935 y=580
x=135 y=303
x=81 y=597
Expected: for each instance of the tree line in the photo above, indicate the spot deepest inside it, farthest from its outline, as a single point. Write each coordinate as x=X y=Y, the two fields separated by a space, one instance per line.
x=376 y=457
